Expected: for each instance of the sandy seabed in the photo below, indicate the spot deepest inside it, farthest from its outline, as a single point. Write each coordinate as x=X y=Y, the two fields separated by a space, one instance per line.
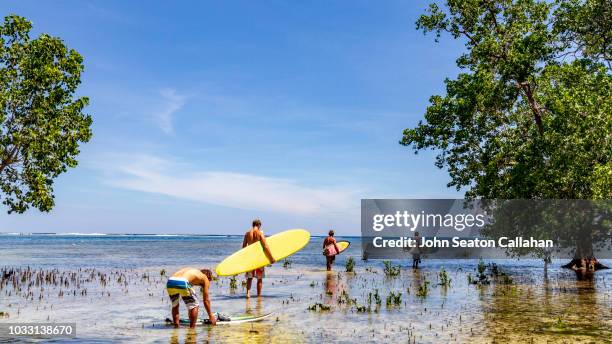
x=312 y=305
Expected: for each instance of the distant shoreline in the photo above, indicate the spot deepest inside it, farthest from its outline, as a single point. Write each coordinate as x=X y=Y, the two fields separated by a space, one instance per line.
x=144 y=234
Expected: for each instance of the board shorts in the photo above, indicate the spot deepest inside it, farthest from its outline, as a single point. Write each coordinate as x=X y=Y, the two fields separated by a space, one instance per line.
x=178 y=287
x=257 y=273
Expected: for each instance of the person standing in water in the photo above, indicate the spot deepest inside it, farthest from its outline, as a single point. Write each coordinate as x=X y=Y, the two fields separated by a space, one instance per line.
x=180 y=285
x=330 y=249
x=416 y=251
x=254 y=235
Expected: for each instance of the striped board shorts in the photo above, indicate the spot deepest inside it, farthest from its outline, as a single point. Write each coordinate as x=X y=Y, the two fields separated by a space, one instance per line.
x=178 y=287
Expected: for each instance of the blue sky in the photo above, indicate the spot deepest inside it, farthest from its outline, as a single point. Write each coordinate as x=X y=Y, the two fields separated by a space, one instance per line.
x=208 y=114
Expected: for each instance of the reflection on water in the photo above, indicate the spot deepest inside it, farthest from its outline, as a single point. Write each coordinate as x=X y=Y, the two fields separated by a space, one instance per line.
x=114 y=290
x=556 y=309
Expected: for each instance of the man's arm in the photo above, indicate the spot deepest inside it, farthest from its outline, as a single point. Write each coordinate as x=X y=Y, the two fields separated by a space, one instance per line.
x=264 y=243
x=244 y=241
x=211 y=316
x=336 y=246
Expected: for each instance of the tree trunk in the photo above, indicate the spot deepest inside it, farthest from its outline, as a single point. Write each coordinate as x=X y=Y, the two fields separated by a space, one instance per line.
x=584 y=250
x=576 y=261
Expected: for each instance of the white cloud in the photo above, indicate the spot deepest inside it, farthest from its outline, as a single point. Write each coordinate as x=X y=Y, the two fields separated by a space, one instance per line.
x=238 y=190
x=172 y=103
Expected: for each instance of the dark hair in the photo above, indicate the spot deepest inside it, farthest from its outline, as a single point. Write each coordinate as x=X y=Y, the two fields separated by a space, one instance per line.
x=257 y=223
x=208 y=274
x=331 y=232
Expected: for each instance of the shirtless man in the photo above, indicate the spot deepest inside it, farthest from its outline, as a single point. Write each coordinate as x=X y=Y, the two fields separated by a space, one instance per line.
x=180 y=285
x=331 y=249
x=252 y=236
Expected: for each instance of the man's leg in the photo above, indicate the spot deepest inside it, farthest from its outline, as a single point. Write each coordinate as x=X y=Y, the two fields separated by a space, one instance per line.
x=259 y=286
x=328 y=260
x=249 y=282
x=191 y=302
x=174 y=299
x=193 y=316
x=175 y=315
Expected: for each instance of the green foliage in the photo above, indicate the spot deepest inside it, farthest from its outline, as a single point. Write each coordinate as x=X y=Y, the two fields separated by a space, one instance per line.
x=530 y=114
x=350 y=264
x=482 y=277
x=346 y=299
x=391 y=270
x=423 y=289
x=362 y=309
x=41 y=119
x=602 y=183
x=369 y=301
x=443 y=278
x=319 y=307
x=584 y=27
x=287 y=263
x=482 y=267
x=233 y=283
x=394 y=299
x=561 y=323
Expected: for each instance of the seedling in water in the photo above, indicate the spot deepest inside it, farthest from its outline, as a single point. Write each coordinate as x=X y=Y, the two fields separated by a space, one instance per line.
x=319 y=307
x=350 y=265
x=394 y=299
x=423 y=290
x=444 y=280
x=391 y=270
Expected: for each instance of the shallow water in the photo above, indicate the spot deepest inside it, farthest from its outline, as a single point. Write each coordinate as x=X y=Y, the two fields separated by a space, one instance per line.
x=125 y=298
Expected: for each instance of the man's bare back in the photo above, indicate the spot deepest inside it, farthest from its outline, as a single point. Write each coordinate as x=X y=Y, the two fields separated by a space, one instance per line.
x=253 y=236
x=180 y=285
x=194 y=276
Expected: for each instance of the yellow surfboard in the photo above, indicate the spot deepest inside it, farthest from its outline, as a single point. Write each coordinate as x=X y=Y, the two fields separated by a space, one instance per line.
x=342 y=245
x=252 y=257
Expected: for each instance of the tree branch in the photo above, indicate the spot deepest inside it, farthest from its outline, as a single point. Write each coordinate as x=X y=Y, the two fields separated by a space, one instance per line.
x=9 y=159
x=536 y=108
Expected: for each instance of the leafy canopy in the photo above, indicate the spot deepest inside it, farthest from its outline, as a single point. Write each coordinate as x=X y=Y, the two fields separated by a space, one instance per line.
x=530 y=114
x=41 y=120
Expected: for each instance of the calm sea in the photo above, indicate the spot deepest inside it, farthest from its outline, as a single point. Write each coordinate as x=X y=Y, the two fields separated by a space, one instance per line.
x=119 y=295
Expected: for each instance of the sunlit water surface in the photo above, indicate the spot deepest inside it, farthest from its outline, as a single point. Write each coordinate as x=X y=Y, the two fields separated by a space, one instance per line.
x=125 y=299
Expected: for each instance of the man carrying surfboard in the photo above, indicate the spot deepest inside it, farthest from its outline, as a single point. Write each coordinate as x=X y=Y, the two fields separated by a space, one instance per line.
x=180 y=285
x=330 y=249
x=254 y=235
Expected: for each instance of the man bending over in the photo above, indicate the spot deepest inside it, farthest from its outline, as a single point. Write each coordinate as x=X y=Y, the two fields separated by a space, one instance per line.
x=180 y=285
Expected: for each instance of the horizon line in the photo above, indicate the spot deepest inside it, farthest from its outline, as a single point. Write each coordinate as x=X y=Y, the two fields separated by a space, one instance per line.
x=139 y=234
